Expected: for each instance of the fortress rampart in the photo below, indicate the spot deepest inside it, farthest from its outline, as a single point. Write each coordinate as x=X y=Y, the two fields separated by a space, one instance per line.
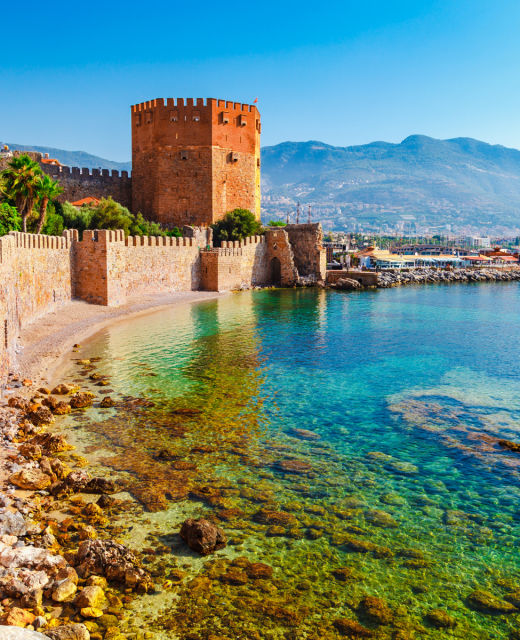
x=39 y=274
x=80 y=183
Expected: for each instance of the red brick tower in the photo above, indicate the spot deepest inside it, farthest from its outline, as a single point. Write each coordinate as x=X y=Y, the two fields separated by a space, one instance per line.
x=192 y=163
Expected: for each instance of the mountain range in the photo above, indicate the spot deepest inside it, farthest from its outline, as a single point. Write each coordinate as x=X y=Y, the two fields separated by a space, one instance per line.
x=73 y=158
x=459 y=182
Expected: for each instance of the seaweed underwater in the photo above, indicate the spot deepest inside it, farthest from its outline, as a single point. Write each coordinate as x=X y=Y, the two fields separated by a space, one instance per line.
x=323 y=542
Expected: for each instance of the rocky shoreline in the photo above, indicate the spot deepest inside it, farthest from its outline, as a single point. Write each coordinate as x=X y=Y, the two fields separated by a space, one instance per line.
x=388 y=279
x=60 y=574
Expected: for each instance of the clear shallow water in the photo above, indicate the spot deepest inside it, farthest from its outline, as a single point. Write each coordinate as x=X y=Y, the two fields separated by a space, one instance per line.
x=404 y=394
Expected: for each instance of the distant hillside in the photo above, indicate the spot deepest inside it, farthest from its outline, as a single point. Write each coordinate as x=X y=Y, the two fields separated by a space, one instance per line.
x=74 y=158
x=460 y=181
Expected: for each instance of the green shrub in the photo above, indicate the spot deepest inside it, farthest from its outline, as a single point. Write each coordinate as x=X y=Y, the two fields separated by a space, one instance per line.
x=277 y=223
x=236 y=225
x=10 y=220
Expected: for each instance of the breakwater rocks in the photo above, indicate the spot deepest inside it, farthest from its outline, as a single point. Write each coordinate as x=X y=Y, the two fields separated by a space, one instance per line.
x=423 y=276
x=388 y=279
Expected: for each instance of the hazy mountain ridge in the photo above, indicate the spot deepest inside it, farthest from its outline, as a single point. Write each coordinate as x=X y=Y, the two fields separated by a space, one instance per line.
x=459 y=181
x=73 y=158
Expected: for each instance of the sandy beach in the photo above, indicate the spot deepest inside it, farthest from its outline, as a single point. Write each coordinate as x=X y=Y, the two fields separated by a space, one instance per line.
x=45 y=341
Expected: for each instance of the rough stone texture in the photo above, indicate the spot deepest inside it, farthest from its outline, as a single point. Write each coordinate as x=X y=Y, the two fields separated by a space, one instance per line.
x=68 y=632
x=310 y=257
x=202 y=536
x=193 y=162
x=236 y=265
x=108 y=267
x=35 y=278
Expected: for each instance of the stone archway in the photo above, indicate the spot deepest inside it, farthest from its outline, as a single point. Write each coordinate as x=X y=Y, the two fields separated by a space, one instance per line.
x=275 y=271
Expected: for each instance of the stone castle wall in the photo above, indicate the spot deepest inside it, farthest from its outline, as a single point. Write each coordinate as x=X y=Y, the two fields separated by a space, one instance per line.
x=236 y=265
x=35 y=279
x=109 y=268
x=80 y=183
x=306 y=242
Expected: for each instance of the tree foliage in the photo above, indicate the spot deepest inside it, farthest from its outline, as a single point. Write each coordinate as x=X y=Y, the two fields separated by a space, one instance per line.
x=48 y=189
x=10 y=220
x=21 y=182
x=277 y=223
x=236 y=225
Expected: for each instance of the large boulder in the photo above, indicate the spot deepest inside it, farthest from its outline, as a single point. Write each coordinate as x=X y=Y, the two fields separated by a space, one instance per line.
x=52 y=442
x=112 y=560
x=202 y=536
x=68 y=632
x=81 y=400
x=348 y=284
x=41 y=416
x=12 y=524
x=30 y=479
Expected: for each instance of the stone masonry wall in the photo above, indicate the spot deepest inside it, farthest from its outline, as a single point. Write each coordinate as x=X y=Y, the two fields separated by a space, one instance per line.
x=108 y=267
x=279 y=248
x=236 y=265
x=81 y=183
x=307 y=246
x=35 y=279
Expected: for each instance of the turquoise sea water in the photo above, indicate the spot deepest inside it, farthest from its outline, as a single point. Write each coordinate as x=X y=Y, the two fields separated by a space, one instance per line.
x=323 y=431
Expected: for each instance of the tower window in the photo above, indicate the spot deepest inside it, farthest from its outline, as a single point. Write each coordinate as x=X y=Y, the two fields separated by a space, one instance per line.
x=195 y=116
x=184 y=155
x=243 y=121
x=138 y=120
x=225 y=117
x=174 y=116
x=149 y=117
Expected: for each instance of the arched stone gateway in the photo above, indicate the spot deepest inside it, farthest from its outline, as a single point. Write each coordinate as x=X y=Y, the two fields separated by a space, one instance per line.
x=275 y=271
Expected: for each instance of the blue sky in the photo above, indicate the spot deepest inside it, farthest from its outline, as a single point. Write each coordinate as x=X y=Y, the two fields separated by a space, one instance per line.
x=342 y=72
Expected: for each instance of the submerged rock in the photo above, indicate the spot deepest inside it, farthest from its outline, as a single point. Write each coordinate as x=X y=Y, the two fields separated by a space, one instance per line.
x=108 y=402
x=293 y=466
x=351 y=628
x=380 y=519
x=202 y=536
x=375 y=610
x=440 y=619
x=279 y=518
x=488 y=603
x=343 y=574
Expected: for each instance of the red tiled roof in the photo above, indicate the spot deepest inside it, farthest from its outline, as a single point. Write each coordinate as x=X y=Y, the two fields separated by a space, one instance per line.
x=87 y=200
x=52 y=161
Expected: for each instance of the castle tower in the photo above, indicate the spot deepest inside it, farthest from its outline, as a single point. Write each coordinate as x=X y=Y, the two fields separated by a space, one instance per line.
x=194 y=162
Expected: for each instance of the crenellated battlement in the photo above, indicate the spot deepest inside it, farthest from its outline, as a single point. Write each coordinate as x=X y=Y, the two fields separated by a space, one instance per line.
x=84 y=173
x=193 y=103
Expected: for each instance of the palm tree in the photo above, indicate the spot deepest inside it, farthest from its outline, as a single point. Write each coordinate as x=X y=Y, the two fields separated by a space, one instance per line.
x=21 y=182
x=48 y=189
